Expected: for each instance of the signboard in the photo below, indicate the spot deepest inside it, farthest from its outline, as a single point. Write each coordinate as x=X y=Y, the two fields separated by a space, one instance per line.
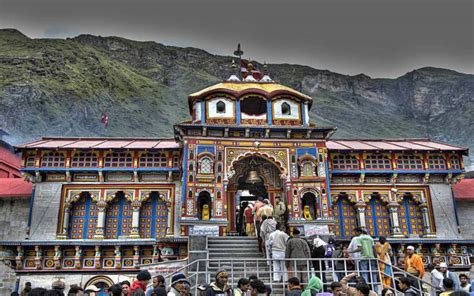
x=314 y=229
x=119 y=177
x=86 y=178
x=209 y=230
x=55 y=177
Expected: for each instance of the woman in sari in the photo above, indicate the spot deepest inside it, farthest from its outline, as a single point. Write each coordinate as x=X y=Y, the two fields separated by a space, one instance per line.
x=384 y=250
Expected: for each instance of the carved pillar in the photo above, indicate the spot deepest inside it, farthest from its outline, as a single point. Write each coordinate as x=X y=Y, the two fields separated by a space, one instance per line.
x=394 y=221
x=360 y=208
x=99 y=230
x=97 y=257
x=19 y=257
x=169 y=209
x=66 y=217
x=118 y=257
x=136 y=255
x=426 y=221
x=38 y=257
x=57 y=256
x=136 y=206
x=78 y=257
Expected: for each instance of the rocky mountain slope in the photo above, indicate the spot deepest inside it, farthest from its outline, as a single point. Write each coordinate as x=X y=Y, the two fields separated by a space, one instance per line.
x=61 y=86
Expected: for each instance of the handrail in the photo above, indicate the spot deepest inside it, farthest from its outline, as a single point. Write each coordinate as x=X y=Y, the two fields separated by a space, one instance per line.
x=199 y=271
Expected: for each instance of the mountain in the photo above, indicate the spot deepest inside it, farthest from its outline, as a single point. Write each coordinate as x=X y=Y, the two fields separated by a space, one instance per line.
x=62 y=86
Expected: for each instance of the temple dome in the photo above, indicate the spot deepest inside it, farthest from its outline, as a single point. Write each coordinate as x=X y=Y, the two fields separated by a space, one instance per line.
x=239 y=89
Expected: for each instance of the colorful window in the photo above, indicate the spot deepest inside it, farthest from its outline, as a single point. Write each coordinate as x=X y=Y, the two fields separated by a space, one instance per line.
x=84 y=159
x=411 y=217
x=409 y=162
x=436 y=162
x=345 y=162
x=118 y=159
x=30 y=160
x=220 y=107
x=455 y=164
x=154 y=159
x=377 y=217
x=345 y=217
x=53 y=159
x=119 y=217
x=205 y=165
x=83 y=218
x=176 y=160
x=377 y=162
x=285 y=109
x=153 y=217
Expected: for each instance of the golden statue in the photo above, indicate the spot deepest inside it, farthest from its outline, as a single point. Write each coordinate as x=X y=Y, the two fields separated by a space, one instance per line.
x=307 y=213
x=205 y=212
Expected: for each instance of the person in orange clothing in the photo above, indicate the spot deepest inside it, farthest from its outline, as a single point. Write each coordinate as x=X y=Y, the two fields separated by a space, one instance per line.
x=384 y=251
x=414 y=265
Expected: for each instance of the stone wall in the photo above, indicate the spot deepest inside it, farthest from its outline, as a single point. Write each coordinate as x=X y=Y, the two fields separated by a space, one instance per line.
x=466 y=218
x=7 y=280
x=443 y=208
x=44 y=220
x=14 y=218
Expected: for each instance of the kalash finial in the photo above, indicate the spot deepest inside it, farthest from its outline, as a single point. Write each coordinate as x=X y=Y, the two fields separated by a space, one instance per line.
x=266 y=77
x=233 y=77
x=249 y=72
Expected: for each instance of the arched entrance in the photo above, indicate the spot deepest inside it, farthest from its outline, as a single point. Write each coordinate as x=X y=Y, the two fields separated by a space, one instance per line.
x=101 y=282
x=254 y=176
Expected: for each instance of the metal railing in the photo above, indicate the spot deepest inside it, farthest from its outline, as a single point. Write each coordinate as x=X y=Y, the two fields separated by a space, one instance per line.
x=202 y=271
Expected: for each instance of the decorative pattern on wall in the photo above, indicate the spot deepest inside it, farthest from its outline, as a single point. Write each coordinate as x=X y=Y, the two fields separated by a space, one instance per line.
x=377 y=218
x=411 y=217
x=83 y=218
x=345 y=218
x=153 y=227
x=119 y=218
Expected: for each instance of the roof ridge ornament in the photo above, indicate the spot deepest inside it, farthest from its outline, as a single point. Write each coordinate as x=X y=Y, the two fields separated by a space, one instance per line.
x=266 y=77
x=234 y=77
x=250 y=77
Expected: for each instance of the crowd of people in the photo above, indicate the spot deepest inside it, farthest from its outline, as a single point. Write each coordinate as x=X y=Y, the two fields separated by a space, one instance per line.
x=303 y=267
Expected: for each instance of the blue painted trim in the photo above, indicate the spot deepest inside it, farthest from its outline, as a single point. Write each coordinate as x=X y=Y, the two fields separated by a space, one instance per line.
x=120 y=217
x=455 y=208
x=374 y=217
x=396 y=171
x=328 y=184
x=310 y=151
x=203 y=111
x=101 y=169
x=32 y=201
x=154 y=203
x=407 y=214
x=86 y=218
x=341 y=218
x=303 y=115
x=269 y=111
x=185 y=176
x=237 y=111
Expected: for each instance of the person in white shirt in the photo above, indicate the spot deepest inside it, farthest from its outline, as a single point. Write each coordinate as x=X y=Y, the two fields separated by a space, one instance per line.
x=277 y=241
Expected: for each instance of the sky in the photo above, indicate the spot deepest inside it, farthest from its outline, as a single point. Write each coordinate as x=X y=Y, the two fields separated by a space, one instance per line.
x=380 y=38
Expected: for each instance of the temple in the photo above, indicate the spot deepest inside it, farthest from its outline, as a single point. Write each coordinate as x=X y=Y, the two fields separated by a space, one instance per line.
x=109 y=205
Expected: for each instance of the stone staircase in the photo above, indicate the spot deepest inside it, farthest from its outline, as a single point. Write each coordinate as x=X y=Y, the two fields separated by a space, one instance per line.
x=244 y=252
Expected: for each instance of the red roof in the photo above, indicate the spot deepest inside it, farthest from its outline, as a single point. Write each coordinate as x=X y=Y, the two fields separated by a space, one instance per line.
x=9 y=158
x=101 y=143
x=14 y=187
x=464 y=190
x=394 y=145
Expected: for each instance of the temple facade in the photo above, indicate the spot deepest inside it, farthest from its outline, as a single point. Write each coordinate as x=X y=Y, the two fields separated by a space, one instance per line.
x=109 y=205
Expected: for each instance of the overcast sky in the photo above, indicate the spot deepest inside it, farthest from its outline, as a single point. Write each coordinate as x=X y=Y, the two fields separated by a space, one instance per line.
x=381 y=38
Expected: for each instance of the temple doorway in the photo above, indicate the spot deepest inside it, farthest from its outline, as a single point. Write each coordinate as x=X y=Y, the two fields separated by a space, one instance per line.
x=254 y=176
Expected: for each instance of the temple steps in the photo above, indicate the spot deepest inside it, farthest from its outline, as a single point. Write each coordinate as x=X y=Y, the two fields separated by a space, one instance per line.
x=238 y=248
